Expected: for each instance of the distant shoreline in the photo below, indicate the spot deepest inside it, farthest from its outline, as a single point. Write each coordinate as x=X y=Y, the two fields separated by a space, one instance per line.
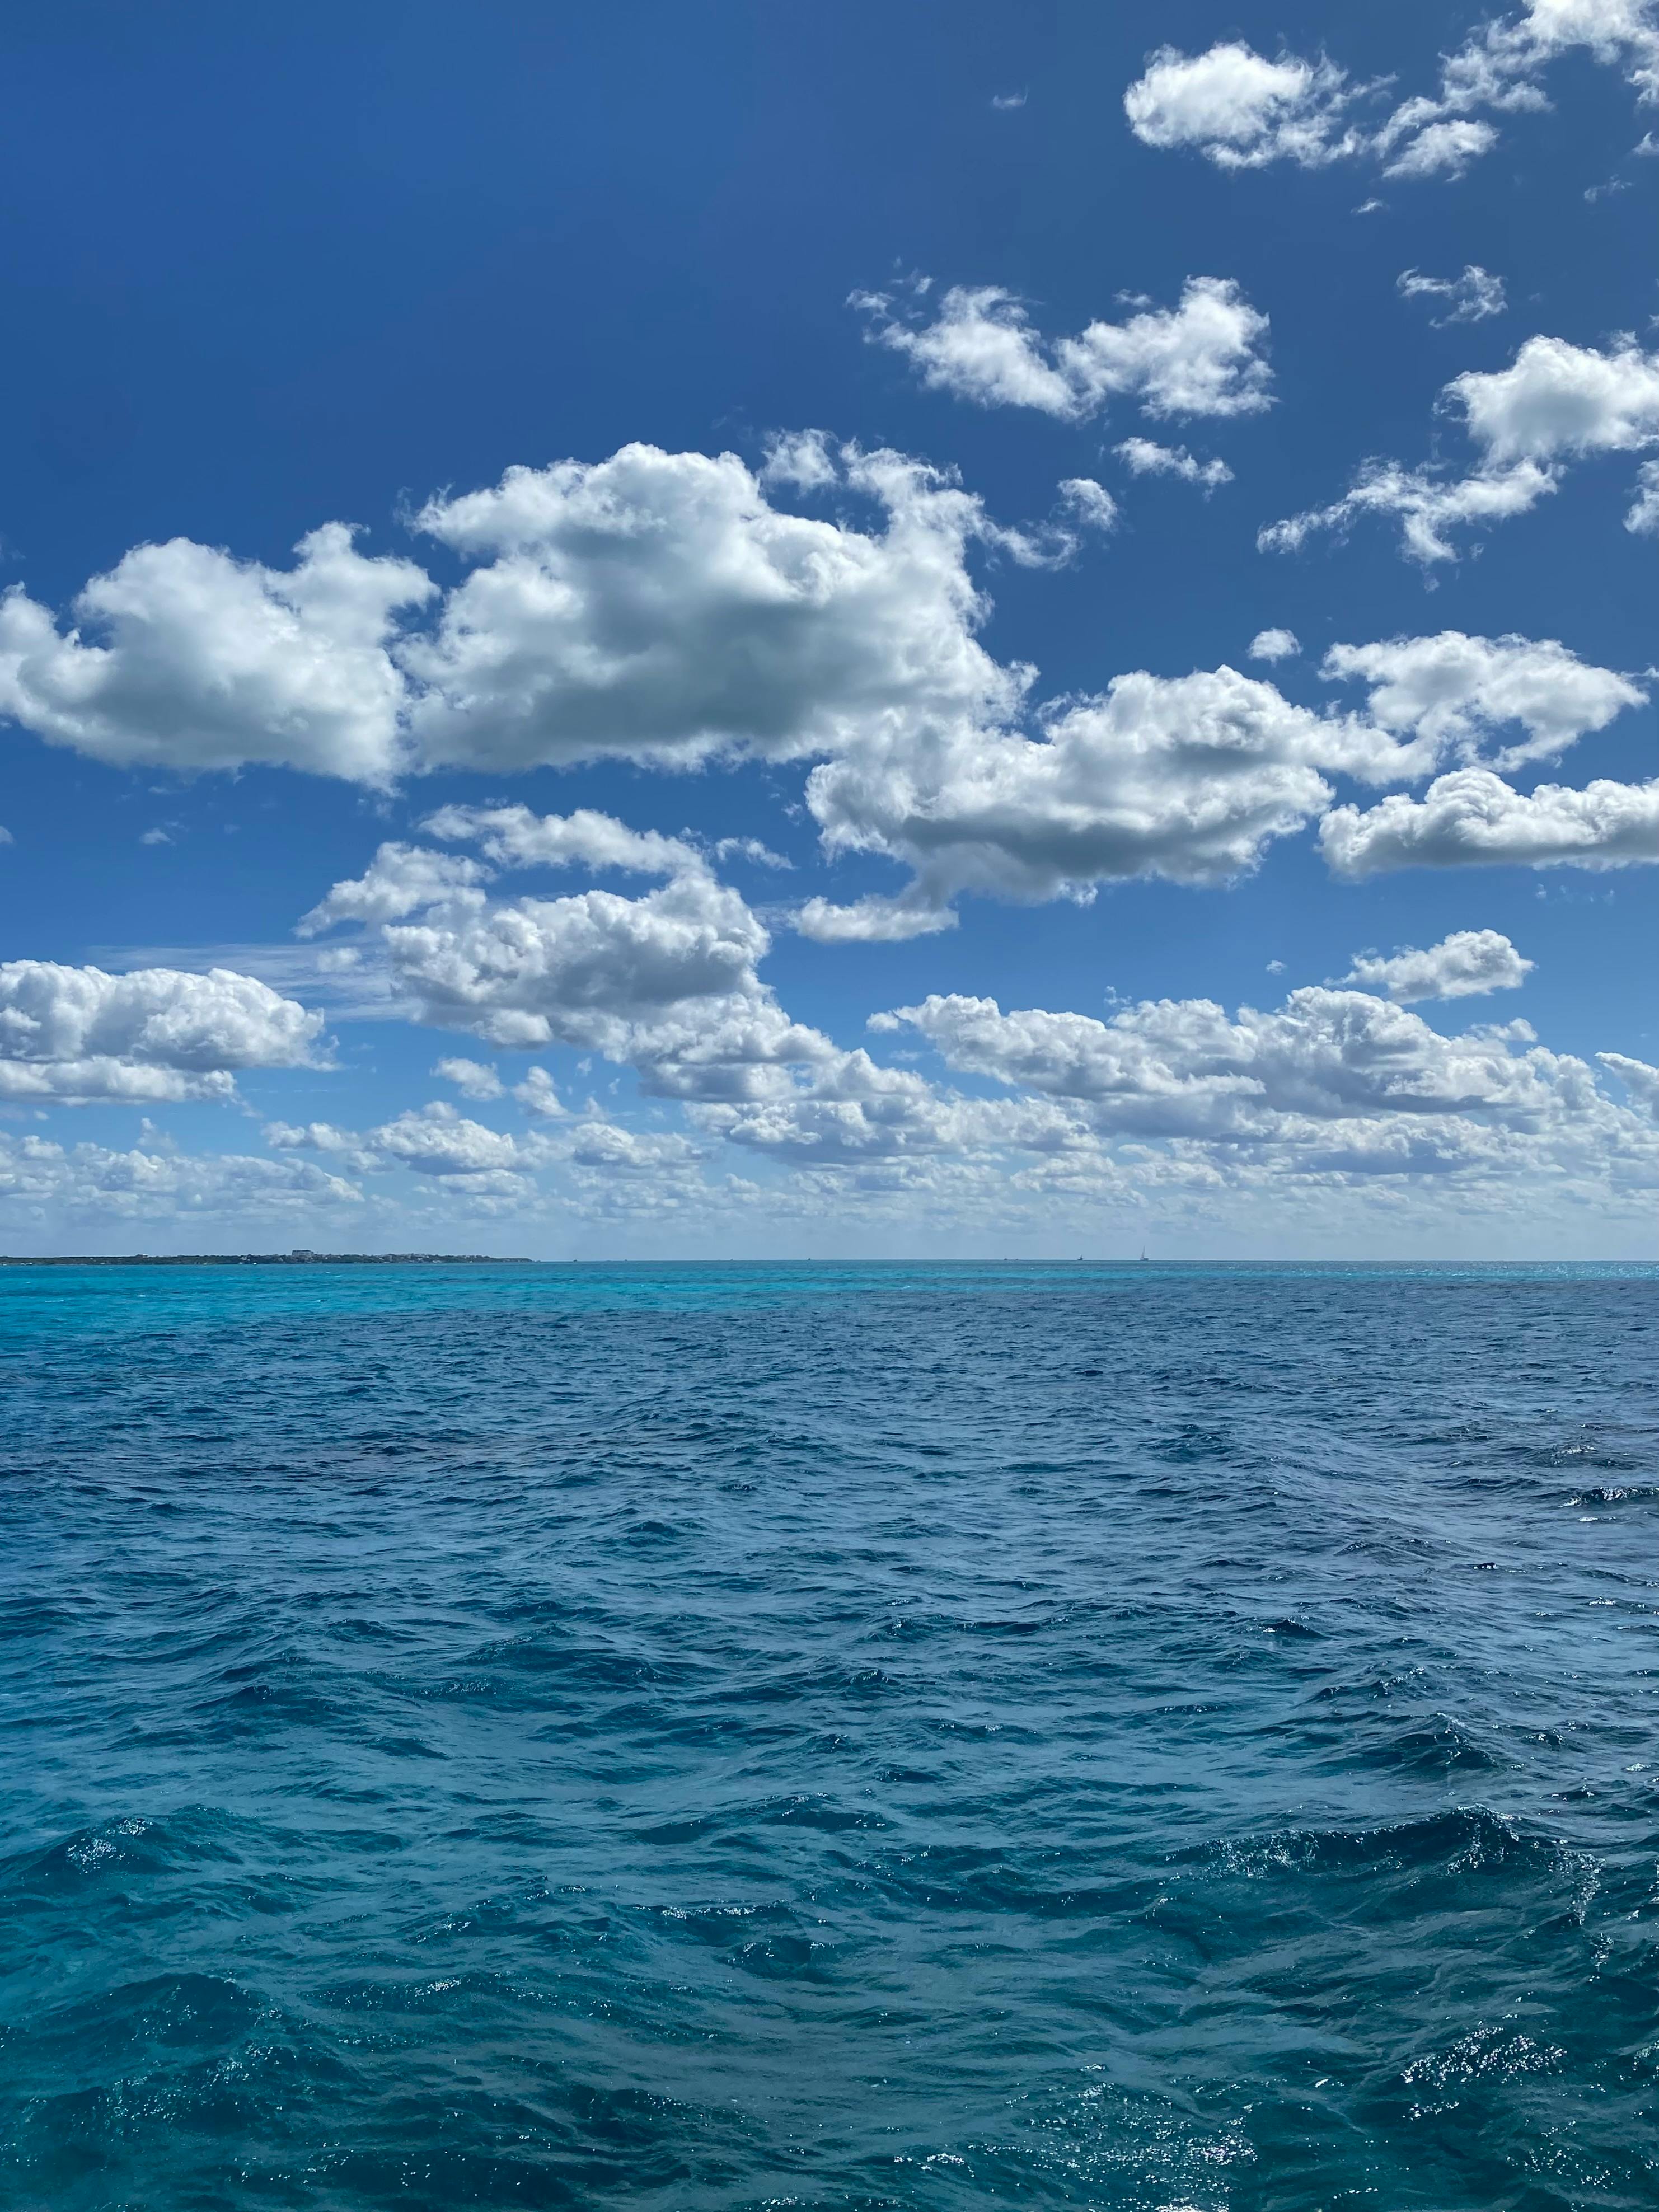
x=271 y=1259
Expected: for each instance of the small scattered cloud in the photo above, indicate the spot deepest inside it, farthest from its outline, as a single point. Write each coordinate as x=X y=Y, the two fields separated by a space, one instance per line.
x=1444 y=149
x=1089 y=503
x=1144 y=458
x=1556 y=403
x=472 y=1077
x=1467 y=964
x=538 y=1096
x=1469 y=297
x=1241 y=110
x=1274 y=645
x=1643 y=516
x=750 y=849
x=1201 y=357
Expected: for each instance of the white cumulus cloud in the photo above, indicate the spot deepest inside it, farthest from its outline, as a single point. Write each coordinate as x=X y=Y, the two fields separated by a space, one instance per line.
x=1242 y=111
x=399 y=880
x=473 y=1078
x=1556 y=402
x=653 y=606
x=433 y=1141
x=666 y=981
x=1336 y=1082
x=659 y=606
x=1467 y=964
x=1641 y=1080
x=1643 y=516
x=1443 y=149
x=1187 y=777
x=183 y=657
x=1144 y=457
x=1271 y=645
x=1200 y=357
x=1472 y=817
x=1452 y=691
x=79 y=1034
x=92 y=1187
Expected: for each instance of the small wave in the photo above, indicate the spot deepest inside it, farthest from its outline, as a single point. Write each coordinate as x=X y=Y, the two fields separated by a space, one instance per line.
x=1467 y=1840
x=1436 y=1746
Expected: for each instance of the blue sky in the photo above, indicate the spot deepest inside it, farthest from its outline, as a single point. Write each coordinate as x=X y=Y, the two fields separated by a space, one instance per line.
x=1030 y=771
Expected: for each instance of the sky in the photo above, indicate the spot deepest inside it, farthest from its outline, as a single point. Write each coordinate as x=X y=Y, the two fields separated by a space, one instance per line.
x=944 y=631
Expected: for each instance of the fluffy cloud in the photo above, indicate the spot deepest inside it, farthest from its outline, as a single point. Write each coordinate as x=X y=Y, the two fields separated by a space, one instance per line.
x=1337 y=1084
x=658 y=606
x=514 y=837
x=41 y=1182
x=538 y=1096
x=1428 y=506
x=1638 y=1079
x=851 y=1112
x=1452 y=690
x=472 y=1077
x=654 y=606
x=666 y=981
x=586 y=970
x=1467 y=964
x=1473 y=817
x=399 y=880
x=437 y=1141
x=1201 y=357
x=1187 y=777
x=186 y=658
x=1502 y=64
x=604 y=1147
x=1271 y=645
x=1554 y=403
x=464 y=1157
x=78 y=1034
x=1469 y=297
x=1091 y=503
x=1643 y=516
x=433 y=1141
x=1242 y=111
x=1444 y=150
x=1145 y=459
x=1557 y=401
x=877 y=920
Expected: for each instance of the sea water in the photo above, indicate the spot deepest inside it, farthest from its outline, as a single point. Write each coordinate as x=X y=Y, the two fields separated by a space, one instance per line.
x=1156 y=1737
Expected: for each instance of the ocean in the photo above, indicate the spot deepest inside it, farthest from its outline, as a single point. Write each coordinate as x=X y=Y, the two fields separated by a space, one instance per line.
x=1167 y=1737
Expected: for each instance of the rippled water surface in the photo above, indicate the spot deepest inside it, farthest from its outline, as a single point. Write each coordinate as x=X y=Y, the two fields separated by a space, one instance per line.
x=693 y=1738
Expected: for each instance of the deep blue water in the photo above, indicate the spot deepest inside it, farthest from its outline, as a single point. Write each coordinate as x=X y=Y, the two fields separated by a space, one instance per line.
x=734 y=1737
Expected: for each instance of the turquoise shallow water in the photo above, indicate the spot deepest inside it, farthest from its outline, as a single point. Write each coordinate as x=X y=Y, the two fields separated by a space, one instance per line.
x=938 y=1736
